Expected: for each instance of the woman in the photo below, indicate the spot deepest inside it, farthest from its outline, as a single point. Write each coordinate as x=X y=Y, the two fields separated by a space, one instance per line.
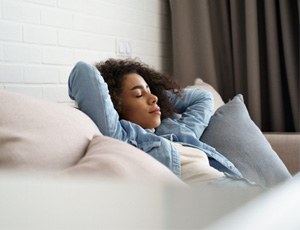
x=132 y=102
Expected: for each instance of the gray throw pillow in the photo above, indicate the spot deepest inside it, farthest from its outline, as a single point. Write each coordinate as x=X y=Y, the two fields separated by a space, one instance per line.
x=232 y=132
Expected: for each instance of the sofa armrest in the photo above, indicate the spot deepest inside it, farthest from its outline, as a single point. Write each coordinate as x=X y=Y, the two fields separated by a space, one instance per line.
x=287 y=146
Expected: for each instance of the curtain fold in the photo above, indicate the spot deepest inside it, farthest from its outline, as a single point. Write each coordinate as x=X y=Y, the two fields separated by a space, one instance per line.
x=242 y=46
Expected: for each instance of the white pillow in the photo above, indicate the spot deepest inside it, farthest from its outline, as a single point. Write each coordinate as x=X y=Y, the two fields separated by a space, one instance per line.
x=41 y=135
x=110 y=158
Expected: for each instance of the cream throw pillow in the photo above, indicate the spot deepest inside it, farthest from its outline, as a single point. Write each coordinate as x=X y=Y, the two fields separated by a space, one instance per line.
x=110 y=158
x=36 y=134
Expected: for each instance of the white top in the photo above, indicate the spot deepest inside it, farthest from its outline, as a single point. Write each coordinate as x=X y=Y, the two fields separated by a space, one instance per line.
x=195 y=165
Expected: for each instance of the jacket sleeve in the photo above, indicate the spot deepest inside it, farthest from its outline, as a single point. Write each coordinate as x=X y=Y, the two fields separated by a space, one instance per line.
x=88 y=88
x=195 y=107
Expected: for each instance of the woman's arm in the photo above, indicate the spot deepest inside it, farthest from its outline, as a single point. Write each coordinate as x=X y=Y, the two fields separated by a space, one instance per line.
x=195 y=107
x=88 y=88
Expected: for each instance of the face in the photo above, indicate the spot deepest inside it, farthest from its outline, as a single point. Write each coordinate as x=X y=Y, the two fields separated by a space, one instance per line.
x=138 y=104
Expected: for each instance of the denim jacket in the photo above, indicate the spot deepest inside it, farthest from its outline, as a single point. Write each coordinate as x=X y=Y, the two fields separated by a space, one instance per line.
x=88 y=88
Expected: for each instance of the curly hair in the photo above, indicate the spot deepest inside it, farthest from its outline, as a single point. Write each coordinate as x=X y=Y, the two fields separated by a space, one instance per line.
x=113 y=71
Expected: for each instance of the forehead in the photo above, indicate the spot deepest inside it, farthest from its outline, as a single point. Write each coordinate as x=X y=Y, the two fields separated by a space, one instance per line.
x=133 y=79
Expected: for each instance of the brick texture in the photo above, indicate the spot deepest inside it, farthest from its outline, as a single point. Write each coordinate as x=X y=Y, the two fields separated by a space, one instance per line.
x=41 y=40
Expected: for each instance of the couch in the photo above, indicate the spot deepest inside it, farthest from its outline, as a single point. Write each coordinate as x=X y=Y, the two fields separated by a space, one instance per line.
x=59 y=171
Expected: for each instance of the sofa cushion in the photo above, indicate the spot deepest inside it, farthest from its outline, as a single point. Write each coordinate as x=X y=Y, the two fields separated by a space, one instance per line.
x=218 y=101
x=37 y=134
x=110 y=158
x=232 y=132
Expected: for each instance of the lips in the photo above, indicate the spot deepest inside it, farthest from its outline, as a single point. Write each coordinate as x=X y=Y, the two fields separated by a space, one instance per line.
x=156 y=111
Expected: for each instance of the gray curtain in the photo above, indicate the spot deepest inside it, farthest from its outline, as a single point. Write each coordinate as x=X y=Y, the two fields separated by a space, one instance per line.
x=242 y=46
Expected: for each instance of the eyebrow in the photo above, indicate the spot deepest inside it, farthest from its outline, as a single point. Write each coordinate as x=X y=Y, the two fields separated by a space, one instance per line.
x=139 y=87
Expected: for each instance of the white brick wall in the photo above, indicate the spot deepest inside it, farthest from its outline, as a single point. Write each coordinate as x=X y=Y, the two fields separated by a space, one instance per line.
x=41 y=40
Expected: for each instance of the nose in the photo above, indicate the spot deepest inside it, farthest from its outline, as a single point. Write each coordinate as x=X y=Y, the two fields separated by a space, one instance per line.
x=152 y=99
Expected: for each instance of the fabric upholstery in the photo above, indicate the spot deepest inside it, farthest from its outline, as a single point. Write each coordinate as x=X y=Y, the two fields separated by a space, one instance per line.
x=108 y=157
x=287 y=146
x=36 y=134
